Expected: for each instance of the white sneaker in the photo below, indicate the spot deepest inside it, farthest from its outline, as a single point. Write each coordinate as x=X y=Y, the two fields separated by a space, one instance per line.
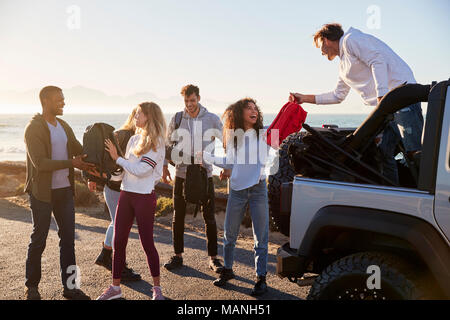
x=111 y=294
x=157 y=294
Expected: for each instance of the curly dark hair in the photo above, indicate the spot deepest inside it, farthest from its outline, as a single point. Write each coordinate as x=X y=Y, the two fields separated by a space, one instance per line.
x=233 y=118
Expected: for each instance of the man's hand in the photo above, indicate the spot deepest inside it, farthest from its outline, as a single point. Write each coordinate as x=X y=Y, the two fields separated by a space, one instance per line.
x=111 y=148
x=78 y=163
x=166 y=174
x=92 y=186
x=294 y=97
x=302 y=98
x=225 y=174
x=94 y=172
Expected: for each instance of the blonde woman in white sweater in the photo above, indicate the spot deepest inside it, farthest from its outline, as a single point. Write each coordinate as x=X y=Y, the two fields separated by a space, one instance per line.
x=142 y=166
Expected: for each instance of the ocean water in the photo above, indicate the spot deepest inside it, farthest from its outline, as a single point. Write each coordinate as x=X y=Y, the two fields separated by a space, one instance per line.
x=12 y=146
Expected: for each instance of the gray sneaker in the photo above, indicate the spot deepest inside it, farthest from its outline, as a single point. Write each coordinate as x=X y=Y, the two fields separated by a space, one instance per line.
x=110 y=294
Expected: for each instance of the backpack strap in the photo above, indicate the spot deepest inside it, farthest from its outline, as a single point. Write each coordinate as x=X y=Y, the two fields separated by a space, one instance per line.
x=178 y=119
x=197 y=208
x=202 y=204
x=105 y=135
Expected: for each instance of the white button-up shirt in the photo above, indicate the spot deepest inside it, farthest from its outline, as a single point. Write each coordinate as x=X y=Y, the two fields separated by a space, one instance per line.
x=247 y=162
x=368 y=66
x=141 y=173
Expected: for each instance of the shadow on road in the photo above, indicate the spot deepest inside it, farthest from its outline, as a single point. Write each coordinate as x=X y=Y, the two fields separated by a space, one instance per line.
x=141 y=286
x=161 y=235
x=232 y=285
x=195 y=240
x=186 y=271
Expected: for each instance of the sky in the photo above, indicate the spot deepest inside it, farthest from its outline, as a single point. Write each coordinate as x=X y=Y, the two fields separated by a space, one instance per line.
x=230 y=49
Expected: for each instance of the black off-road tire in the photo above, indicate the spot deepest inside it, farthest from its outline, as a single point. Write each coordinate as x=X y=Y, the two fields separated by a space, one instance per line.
x=346 y=279
x=285 y=173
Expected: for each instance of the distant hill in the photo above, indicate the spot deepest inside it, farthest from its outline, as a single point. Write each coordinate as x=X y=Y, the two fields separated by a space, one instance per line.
x=88 y=100
x=82 y=96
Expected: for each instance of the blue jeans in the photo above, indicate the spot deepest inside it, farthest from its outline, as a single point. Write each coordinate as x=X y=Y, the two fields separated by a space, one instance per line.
x=111 y=199
x=407 y=126
x=256 y=198
x=62 y=205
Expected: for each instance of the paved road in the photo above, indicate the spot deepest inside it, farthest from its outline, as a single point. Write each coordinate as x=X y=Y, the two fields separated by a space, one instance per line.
x=192 y=282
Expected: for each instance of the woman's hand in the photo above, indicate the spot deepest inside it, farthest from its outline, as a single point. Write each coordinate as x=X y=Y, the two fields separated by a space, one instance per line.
x=111 y=148
x=92 y=186
x=225 y=174
x=166 y=175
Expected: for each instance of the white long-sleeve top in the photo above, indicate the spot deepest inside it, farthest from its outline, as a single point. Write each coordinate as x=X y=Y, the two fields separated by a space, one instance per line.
x=247 y=162
x=143 y=172
x=367 y=65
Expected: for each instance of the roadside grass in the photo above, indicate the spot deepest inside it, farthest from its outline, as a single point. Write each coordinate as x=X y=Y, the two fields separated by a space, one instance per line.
x=19 y=190
x=164 y=206
x=83 y=196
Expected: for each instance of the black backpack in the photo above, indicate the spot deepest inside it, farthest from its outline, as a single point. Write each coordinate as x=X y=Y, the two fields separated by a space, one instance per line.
x=196 y=186
x=94 y=147
x=123 y=136
x=196 y=182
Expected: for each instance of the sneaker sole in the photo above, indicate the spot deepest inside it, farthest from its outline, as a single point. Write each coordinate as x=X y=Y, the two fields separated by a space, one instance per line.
x=219 y=285
x=215 y=270
x=222 y=285
x=117 y=296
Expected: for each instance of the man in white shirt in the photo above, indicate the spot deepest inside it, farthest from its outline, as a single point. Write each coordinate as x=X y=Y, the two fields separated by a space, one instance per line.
x=371 y=68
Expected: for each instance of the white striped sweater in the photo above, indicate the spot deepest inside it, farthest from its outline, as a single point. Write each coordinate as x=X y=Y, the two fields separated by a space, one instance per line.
x=141 y=173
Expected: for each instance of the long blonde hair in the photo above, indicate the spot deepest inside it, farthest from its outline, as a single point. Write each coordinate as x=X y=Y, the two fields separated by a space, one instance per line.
x=154 y=132
x=129 y=124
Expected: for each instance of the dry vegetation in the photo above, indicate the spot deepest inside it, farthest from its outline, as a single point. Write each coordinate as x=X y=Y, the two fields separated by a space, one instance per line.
x=12 y=178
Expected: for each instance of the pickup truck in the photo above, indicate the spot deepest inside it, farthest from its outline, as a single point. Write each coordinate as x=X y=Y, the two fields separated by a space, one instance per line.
x=356 y=234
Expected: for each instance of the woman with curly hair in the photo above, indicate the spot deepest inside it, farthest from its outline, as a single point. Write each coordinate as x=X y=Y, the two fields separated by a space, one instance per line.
x=246 y=155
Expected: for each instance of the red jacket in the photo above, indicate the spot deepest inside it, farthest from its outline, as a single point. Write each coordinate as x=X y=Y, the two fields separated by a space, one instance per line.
x=290 y=119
